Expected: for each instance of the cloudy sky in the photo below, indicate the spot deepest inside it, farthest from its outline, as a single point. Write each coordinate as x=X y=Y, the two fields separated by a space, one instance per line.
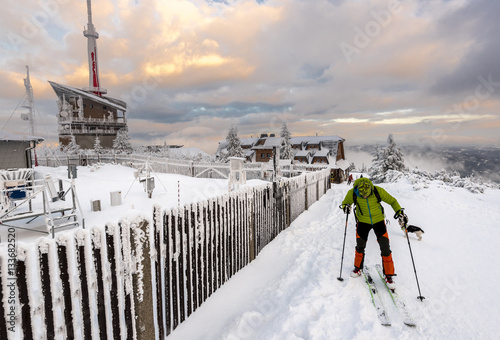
x=427 y=71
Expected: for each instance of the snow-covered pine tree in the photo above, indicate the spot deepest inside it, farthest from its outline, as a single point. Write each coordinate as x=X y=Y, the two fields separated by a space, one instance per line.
x=121 y=144
x=98 y=149
x=233 y=145
x=386 y=159
x=72 y=148
x=286 y=151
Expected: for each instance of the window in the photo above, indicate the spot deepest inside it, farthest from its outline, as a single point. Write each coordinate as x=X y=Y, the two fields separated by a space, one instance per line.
x=104 y=107
x=91 y=106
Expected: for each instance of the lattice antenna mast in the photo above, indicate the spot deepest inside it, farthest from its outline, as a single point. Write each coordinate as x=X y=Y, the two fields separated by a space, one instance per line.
x=92 y=36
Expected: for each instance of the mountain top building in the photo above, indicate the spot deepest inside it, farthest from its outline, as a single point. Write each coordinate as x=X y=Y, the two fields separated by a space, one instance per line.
x=86 y=114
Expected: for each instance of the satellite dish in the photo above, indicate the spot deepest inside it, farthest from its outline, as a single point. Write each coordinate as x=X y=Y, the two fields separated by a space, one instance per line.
x=64 y=114
x=66 y=127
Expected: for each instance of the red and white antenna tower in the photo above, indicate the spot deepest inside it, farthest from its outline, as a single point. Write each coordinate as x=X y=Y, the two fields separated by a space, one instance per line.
x=91 y=35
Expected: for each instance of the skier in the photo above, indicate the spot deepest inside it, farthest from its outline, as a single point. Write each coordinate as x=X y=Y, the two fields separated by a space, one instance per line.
x=369 y=214
x=350 y=179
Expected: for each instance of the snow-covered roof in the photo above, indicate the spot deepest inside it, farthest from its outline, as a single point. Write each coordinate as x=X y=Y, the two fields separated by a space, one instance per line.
x=342 y=164
x=321 y=153
x=273 y=141
x=270 y=143
x=248 y=141
x=7 y=136
x=60 y=89
x=315 y=139
x=303 y=153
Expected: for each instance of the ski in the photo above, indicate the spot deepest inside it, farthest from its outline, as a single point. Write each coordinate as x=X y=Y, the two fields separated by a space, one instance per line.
x=377 y=302
x=398 y=302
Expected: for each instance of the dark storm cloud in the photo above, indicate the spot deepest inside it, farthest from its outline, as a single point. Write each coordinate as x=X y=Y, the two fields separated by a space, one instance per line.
x=477 y=25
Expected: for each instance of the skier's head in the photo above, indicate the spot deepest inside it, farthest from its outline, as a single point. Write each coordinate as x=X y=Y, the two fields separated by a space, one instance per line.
x=363 y=187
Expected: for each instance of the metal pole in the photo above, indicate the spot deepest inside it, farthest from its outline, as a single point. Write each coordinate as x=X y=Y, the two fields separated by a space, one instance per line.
x=343 y=247
x=414 y=269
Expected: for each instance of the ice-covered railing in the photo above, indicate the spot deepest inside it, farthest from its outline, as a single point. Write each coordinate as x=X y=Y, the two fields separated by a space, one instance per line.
x=178 y=166
x=140 y=279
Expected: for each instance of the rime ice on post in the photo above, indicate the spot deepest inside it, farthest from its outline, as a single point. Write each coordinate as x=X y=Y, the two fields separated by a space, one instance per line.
x=141 y=280
x=237 y=175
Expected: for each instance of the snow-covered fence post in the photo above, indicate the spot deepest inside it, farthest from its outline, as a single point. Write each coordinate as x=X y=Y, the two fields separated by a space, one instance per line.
x=171 y=241
x=199 y=229
x=251 y=224
x=127 y=266
x=220 y=244
x=97 y=241
x=22 y=286
x=289 y=204
x=166 y=255
x=142 y=281
x=62 y=256
x=157 y=227
x=43 y=258
x=111 y=255
x=84 y=288
x=205 y=254
x=225 y=235
x=305 y=193
x=187 y=257
x=212 y=247
x=180 y=264
x=191 y=231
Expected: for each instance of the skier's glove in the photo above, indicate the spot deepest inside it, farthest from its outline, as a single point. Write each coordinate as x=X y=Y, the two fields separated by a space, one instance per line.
x=346 y=208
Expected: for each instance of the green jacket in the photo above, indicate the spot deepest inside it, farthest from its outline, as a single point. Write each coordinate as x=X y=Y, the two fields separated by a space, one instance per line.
x=368 y=209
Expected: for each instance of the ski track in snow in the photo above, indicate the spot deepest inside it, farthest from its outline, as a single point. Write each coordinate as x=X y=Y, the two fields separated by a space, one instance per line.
x=291 y=290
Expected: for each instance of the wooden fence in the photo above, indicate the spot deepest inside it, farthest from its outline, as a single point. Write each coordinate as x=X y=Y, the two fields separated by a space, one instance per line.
x=141 y=279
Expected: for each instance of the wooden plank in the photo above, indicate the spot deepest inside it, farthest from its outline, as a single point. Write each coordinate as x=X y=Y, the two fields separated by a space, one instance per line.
x=84 y=288
x=193 y=230
x=158 y=271
x=167 y=244
x=220 y=247
x=206 y=253
x=66 y=289
x=174 y=268
x=111 y=253
x=43 y=258
x=199 y=241
x=212 y=247
x=127 y=265
x=142 y=281
x=97 y=242
x=188 y=289
x=22 y=286
x=181 y=273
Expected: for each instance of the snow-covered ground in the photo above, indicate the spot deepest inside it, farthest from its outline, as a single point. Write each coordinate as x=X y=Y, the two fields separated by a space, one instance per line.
x=291 y=292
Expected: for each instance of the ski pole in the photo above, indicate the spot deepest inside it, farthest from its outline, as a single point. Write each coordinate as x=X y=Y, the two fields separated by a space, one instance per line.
x=414 y=269
x=343 y=247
